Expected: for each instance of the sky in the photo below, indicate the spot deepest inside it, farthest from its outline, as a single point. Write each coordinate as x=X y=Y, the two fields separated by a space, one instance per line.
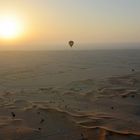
x=92 y=24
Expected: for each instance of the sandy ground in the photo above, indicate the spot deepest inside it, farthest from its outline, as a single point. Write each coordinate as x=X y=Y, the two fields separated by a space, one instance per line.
x=81 y=110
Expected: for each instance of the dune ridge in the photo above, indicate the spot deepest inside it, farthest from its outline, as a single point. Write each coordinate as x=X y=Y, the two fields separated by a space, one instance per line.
x=104 y=110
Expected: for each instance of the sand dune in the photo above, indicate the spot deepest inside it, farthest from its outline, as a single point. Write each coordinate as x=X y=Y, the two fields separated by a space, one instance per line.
x=107 y=110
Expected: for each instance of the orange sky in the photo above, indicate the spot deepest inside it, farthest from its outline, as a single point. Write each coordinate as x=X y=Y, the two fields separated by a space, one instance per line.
x=53 y=22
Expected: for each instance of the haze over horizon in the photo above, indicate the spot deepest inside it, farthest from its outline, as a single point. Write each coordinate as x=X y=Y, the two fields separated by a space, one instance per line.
x=51 y=24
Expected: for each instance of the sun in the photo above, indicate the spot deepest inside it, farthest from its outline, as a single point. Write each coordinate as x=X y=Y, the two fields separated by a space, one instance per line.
x=10 y=27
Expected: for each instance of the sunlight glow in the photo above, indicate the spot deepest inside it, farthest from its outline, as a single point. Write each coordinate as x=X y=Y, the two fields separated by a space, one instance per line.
x=10 y=27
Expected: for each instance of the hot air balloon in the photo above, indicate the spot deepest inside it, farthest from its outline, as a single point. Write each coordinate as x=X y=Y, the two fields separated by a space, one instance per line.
x=71 y=43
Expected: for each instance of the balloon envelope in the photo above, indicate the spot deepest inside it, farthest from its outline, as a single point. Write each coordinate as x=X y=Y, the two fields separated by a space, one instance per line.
x=71 y=43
